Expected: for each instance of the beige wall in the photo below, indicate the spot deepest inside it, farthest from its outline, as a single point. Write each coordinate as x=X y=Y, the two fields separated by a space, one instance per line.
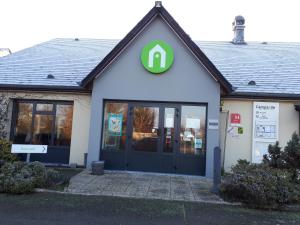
x=240 y=146
x=81 y=118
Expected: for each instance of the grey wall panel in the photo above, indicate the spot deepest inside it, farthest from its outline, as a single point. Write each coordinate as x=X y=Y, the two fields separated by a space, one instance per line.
x=186 y=81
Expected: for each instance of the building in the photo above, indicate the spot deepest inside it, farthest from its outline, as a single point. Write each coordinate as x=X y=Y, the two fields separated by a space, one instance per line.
x=154 y=101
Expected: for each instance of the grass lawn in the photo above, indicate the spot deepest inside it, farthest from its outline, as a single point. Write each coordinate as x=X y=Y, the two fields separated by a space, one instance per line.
x=58 y=209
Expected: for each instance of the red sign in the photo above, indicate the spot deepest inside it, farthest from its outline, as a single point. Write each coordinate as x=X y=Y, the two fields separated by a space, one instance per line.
x=235 y=118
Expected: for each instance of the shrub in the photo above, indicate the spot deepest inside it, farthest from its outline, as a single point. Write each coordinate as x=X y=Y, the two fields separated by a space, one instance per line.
x=5 y=152
x=22 y=178
x=289 y=158
x=53 y=177
x=260 y=185
x=39 y=174
x=274 y=156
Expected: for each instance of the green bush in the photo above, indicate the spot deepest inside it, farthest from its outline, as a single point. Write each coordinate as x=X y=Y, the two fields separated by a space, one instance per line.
x=5 y=152
x=274 y=156
x=289 y=158
x=260 y=185
x=22 y=178
x=53 y=178
x=39 y=174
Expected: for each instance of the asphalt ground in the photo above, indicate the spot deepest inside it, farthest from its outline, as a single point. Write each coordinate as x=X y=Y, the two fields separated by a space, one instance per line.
x=66 y=209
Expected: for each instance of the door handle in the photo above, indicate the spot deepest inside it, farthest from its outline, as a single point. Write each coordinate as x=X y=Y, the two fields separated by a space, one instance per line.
x=158 y=132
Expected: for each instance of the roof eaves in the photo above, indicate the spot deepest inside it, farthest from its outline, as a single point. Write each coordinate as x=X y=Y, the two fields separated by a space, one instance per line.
x=22 y=87
x=119 y=47
x=196 y=50
x=262 y=95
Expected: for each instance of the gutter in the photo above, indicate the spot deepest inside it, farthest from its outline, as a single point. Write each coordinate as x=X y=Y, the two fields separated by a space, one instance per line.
x=21 y=87
x=255 y=95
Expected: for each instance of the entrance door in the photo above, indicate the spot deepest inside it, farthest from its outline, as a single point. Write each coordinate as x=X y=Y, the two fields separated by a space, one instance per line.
x=152 y=137
x=155 y=137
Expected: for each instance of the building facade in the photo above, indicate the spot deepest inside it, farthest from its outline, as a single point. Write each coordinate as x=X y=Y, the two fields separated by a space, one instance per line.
x=154 y=101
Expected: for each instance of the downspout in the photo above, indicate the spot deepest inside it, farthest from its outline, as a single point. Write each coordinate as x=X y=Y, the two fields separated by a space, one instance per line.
x=225 y=138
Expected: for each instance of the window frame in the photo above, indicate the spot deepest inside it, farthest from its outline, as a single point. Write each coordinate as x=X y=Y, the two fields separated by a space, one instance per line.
x=205 y=105
x=34 y=103
x=179 y=104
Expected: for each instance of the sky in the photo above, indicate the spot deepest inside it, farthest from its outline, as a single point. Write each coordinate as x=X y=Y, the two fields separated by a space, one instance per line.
x=26 y=23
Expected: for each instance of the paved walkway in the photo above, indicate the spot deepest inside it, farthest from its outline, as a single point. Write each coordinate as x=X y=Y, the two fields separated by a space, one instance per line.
x=144 y=185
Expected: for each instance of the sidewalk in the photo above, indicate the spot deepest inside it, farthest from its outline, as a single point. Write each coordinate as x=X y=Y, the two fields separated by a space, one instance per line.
x=144 y=185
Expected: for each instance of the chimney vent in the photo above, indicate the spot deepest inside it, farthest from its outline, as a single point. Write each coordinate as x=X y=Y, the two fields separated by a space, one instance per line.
x=238 y=26
x=158 y=4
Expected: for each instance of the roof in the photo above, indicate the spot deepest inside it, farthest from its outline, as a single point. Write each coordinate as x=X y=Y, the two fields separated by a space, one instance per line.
x=275 y=67
x=159 y=10
x=68 y=60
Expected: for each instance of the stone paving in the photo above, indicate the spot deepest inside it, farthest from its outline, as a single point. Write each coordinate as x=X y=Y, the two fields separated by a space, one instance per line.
x=144 y=185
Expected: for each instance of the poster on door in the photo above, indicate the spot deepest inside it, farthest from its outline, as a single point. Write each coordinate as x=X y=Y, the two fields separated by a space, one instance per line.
x=265 y=128
x=115 y=124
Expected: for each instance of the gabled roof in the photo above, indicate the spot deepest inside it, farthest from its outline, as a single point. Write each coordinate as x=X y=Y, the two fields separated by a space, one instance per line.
x=274 y=66
x=159 y=10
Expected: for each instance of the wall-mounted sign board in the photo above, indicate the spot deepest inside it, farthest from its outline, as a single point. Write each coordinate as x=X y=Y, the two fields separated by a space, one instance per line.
x=29 y=149
x=157 y=56
x=213 y=124
x=235 y=119
x=265 y=128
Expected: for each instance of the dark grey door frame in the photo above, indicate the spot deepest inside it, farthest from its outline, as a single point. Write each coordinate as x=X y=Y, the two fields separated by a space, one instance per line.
x=155 y=158
x=175 y=162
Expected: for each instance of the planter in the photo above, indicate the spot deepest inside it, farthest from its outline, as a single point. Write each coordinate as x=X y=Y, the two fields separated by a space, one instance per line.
x=98 y=167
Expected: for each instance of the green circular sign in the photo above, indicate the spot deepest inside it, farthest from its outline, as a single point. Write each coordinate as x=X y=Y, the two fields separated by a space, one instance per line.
x=157 y=56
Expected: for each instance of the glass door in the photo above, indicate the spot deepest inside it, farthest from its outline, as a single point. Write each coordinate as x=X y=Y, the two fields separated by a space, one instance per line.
x=152 y=137
x=145 y=131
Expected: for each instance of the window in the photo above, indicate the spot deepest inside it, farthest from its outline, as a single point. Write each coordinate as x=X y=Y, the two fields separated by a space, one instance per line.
x=63 y=125
x=114 y=127
x=193 y=130
x=23 y=124
x=43 y=123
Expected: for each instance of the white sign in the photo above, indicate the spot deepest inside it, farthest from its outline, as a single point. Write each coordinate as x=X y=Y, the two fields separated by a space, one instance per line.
x=213 y=124
x=260 y=149
x=265 y=128
x=18 y=148
x=192 y=123
x=169 y=122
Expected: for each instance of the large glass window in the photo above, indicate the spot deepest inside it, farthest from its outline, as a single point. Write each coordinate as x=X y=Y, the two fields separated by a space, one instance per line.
x=193 y=130
x=42 y=129
x=43 y=123
x=114 y=127
x=23 y=129
x=63 y=125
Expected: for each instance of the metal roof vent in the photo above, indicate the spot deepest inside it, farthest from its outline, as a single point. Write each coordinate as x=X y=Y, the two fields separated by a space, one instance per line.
x=158 y=4
x=238 y=26
x=264 y=43
x=76 y=39
x=251 y=83
x=50 y=76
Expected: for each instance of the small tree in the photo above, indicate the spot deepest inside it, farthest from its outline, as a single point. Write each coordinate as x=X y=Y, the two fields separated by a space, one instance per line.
x=274 y=156
x=291 y=154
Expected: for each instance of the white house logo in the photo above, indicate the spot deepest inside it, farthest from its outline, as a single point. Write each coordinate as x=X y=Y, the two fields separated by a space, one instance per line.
x=157 y=56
